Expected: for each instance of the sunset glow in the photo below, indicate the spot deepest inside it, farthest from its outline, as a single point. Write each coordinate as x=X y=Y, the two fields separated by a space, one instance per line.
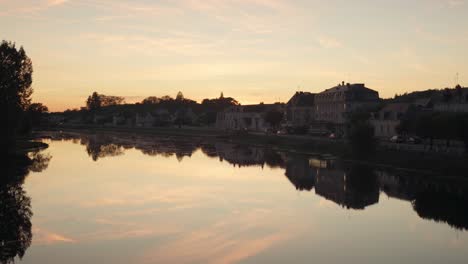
x=252 y=50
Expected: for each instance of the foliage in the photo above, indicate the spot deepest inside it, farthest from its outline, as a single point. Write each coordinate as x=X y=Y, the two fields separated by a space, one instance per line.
x=361 y=135
x=175 y=109
x=180 y=96
x=96 y=101
x=274 y=118
x=151 y=100
x=15 y=89
x=444 y=95
x=34 y=116
x=443 y=206
x=15 y=205
x=436 y=125
x=213 y=106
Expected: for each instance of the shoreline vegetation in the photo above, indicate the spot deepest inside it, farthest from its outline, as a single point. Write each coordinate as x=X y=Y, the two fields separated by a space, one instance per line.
x=440 y=165
x=20 y=113
x=27 y=145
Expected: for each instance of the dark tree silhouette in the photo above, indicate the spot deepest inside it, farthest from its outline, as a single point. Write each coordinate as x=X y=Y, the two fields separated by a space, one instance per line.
x=361 y=135
x=459 y=91
x=180 y=96
x=15 y=205
x=96 y=101
x=93 y=102
x=15 y=90
x=34 y=116
x=274 y=118
x=442 y=206
x=100 y=146
x=437 y=125
x=211 y=107
x=151 y=100
x=166 y=98
x=15 y=222
x=447 y=95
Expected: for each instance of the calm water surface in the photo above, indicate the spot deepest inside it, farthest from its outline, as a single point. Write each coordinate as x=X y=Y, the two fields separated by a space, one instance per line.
x=103 y=198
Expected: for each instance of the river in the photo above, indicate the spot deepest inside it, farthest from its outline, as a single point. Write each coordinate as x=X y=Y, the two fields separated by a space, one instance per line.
x=114 y=198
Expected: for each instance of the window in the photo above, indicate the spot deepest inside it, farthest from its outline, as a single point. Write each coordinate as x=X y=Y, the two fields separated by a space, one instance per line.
x=387 y=115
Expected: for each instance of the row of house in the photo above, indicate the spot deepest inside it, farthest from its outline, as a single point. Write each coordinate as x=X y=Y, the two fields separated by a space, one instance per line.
x=247 y=117
x=304 y=109
x=315 y=113
x=388 y=118
x=331 y=108
x=152 y=118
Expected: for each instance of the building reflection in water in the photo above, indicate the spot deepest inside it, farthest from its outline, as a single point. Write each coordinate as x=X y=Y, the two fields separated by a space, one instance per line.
x=300 y=173
x=350 y=185
x=15 y=205
x=354 y=187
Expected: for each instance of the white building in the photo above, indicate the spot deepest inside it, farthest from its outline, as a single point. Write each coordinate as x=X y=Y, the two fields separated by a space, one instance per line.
x=387 y=120
x=246 y=117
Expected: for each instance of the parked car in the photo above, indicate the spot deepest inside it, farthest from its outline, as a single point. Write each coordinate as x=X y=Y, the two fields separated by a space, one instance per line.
x=397 y=139
x=282 y=132
x=414 y=140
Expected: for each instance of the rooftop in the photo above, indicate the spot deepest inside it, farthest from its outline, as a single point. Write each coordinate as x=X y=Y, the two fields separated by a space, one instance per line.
x=347 y=87
x=302 y=99
x=256 y=108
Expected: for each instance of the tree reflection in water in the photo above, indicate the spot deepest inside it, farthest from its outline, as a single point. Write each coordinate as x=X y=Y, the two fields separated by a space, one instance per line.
x=15 y=205
x=441 y=206
x=350 y=185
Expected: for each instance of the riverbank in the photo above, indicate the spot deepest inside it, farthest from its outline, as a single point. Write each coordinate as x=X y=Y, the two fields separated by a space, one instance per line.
x=20 y=160
x=26 y=145
x=429 y=162
x=400 y=159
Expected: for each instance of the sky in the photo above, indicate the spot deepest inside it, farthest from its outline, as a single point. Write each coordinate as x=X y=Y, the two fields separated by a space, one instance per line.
x=252 y=50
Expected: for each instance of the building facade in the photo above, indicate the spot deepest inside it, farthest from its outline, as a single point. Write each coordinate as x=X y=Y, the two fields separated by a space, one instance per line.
x=144 y=120
x=246 y=117
x=335 y=104
x=300 y=110
x=387 y=120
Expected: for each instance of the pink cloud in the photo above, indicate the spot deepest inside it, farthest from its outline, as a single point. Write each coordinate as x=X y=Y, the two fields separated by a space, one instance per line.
x=45 y=237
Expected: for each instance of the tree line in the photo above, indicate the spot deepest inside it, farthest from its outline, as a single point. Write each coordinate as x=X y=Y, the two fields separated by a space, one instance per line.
x=430 y=125
x=101 y=104
x=20 y=114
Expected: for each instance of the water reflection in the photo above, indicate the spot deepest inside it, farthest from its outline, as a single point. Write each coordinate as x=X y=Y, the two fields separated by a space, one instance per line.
x=354 y=186
x=350 y=185
x=15 y=205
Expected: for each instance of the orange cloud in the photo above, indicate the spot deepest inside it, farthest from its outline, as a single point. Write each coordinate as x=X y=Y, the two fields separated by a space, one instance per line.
x=44 y=237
